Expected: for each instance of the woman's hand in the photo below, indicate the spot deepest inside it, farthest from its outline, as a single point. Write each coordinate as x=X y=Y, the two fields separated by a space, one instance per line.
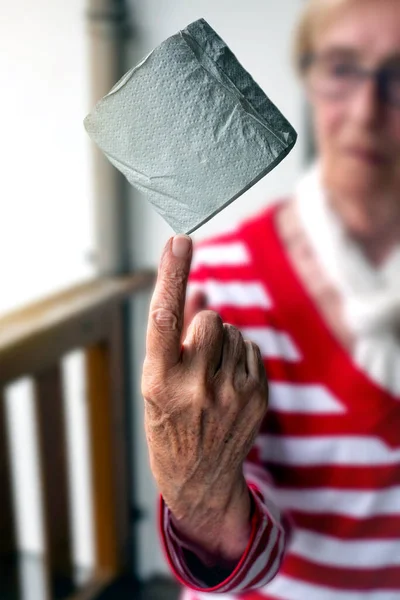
x=205 y=399
x=193 y=305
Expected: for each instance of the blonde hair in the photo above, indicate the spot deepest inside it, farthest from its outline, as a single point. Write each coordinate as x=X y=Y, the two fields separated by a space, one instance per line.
x=316 y=15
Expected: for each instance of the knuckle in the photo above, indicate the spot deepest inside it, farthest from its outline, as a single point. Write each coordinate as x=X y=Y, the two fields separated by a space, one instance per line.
x=231 y=330
x=235 y=341
x=257 y=393
x=202 y=395
x=208 y=327
x=256 y=350
x=165 y=319
x=229 y=398
x=146 y=388
x=211 y=319
x=152 y=384
x=234 y=334
x=150 y=387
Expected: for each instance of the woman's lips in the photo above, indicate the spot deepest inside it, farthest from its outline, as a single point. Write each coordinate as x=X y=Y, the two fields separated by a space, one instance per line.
x=368 y=155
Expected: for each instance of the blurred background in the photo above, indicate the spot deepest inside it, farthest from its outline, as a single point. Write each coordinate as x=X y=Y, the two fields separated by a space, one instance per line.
x=78 y=251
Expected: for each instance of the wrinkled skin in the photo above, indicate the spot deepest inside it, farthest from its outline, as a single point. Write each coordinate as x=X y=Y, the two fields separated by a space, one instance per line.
x=205 y=398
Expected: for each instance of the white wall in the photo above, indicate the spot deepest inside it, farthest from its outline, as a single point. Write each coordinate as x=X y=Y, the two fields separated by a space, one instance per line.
x=46 y=216
x=46 y=227
x=259 y=33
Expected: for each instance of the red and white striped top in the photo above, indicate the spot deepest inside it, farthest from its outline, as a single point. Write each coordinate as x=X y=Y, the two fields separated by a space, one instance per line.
x=325 y=469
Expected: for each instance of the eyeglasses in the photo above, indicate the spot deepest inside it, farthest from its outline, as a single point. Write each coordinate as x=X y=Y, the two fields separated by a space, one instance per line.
x=337 y=78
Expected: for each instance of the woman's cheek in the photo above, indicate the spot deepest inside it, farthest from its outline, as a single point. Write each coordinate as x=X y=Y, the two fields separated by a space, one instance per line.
x=328 y=124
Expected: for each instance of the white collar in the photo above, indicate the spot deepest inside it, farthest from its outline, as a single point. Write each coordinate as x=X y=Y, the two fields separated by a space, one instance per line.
x=371 y=296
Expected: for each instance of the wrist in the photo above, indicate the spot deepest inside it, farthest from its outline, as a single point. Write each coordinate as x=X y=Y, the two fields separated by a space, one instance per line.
x=224 y=532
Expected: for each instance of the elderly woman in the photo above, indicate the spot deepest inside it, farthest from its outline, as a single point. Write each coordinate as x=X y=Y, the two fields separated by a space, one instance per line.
x=300 y=501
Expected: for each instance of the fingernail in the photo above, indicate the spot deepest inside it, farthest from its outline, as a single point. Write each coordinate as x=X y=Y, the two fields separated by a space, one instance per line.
x=181 y=245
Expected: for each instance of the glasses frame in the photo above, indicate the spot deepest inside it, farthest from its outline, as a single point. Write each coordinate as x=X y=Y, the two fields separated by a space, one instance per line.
x=380 y=77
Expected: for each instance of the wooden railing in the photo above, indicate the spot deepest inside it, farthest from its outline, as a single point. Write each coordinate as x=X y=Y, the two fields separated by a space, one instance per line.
x=33 y=341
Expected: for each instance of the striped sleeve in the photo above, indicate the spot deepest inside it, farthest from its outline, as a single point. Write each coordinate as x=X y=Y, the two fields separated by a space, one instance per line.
x=258 y=565
x=222 y=269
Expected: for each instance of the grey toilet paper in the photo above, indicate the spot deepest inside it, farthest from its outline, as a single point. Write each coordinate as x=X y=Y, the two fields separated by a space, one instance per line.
x=190 y=127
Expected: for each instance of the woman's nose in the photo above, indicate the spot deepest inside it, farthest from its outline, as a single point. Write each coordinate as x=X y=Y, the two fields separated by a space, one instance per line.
x=366 y=104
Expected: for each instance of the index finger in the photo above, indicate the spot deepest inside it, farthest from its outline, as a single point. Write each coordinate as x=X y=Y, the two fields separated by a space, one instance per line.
x=163 y=344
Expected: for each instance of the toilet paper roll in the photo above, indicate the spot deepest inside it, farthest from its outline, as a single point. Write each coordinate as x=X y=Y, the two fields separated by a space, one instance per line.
x=190 y=128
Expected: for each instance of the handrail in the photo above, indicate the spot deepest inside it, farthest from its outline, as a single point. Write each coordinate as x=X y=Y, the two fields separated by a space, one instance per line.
x=33 y=341
x=60 y=323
